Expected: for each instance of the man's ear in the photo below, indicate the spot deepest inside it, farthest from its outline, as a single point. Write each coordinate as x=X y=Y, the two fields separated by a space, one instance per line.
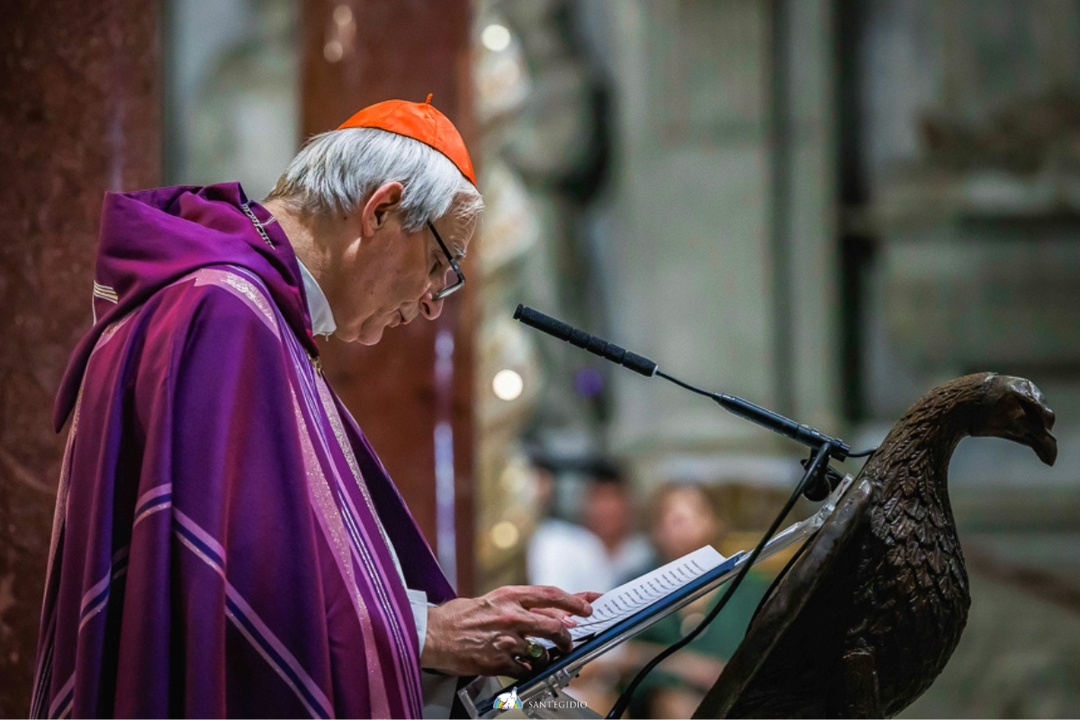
x=378 y=207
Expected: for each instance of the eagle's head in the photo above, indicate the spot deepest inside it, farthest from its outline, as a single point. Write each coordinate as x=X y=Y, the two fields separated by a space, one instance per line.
x=1014 y=409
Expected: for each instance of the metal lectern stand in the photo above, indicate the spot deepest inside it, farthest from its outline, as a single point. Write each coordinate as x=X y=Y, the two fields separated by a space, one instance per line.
x=540 y=696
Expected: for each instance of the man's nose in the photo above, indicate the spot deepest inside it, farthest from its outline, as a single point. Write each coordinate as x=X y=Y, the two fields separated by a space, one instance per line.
x=430 y=309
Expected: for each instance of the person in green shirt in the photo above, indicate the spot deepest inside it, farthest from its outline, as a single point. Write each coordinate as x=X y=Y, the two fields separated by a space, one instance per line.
x=684 y=519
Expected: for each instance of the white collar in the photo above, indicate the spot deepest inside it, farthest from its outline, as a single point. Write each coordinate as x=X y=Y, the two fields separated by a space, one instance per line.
x=322 y=318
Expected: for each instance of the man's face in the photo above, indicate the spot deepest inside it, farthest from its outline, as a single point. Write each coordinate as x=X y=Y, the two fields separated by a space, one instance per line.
x=390 y=278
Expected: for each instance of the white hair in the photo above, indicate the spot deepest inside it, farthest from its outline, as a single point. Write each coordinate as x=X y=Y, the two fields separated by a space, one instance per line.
x=335 y=171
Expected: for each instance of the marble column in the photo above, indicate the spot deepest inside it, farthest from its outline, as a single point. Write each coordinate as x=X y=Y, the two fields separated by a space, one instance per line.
x=723 y=213
x=412 y=393
x=79 y=115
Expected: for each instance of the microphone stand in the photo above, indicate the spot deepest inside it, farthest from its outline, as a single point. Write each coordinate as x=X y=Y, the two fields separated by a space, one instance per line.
x=819 y=459
x=818 y=480
x=479 y=698
x=818 y=485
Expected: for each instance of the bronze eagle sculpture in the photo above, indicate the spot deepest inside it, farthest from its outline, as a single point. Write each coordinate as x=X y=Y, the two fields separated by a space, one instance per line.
x=871 y=609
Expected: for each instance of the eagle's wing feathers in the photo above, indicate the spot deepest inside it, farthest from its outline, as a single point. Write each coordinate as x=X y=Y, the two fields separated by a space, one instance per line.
x=743 y=687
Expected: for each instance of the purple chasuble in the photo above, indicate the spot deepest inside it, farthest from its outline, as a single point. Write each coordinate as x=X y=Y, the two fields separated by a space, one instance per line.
x=217 y=548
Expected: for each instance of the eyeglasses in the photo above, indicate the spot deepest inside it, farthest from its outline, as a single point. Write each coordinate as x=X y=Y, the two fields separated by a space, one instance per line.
x=453 y=287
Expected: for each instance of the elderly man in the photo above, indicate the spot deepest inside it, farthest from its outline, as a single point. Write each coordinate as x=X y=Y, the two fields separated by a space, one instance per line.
x=226 y=541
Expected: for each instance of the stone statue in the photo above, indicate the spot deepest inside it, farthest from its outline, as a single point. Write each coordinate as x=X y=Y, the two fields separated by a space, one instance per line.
x=872 y=607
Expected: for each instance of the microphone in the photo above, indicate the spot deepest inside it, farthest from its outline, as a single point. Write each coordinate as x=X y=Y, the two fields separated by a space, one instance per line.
x=747 y=410
x=584 y=340
x=779 y=424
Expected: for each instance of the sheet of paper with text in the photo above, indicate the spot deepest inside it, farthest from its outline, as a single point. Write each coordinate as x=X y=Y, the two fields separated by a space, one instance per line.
x=632 y=597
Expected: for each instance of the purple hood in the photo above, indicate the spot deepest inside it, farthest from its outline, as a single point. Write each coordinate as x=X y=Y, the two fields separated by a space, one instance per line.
x=151 y=238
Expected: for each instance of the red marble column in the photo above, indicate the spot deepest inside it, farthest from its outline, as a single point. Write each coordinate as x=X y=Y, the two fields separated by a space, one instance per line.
x=403 y=391
x=79 y=115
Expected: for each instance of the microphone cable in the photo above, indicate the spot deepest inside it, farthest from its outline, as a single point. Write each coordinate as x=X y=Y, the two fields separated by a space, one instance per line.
x=623 y=702
x=863 y=453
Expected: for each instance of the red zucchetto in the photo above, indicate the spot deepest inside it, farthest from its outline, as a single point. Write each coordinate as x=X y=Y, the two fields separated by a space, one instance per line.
x=419 y=121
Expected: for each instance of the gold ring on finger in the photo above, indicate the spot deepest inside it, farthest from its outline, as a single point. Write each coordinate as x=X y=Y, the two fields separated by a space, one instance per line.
x=534 y=650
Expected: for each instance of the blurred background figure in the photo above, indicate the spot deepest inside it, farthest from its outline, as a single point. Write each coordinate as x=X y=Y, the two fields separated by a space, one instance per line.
x=683 y=518
x=598 y=553
x=560 y=552
x=609 y=511
x=601 y=551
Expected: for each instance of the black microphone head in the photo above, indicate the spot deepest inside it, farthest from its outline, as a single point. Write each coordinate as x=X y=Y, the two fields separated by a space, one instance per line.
x=582 y=339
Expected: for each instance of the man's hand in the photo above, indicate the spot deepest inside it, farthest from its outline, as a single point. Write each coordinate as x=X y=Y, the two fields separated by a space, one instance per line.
x=486 y=635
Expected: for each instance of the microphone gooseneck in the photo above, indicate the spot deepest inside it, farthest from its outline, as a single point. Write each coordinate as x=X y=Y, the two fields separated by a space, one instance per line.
x=743 y=408
x=785 y=426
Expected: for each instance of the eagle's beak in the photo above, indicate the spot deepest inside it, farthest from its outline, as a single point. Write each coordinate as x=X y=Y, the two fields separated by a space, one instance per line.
x=1037 y=418
x=1045 y=446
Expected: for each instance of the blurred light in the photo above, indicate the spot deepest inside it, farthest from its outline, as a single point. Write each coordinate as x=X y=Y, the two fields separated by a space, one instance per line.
x=505 y=535
x=507 y=385
x=343 y=15
x=588 y=382
x=495 y=37
x=333 y=51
